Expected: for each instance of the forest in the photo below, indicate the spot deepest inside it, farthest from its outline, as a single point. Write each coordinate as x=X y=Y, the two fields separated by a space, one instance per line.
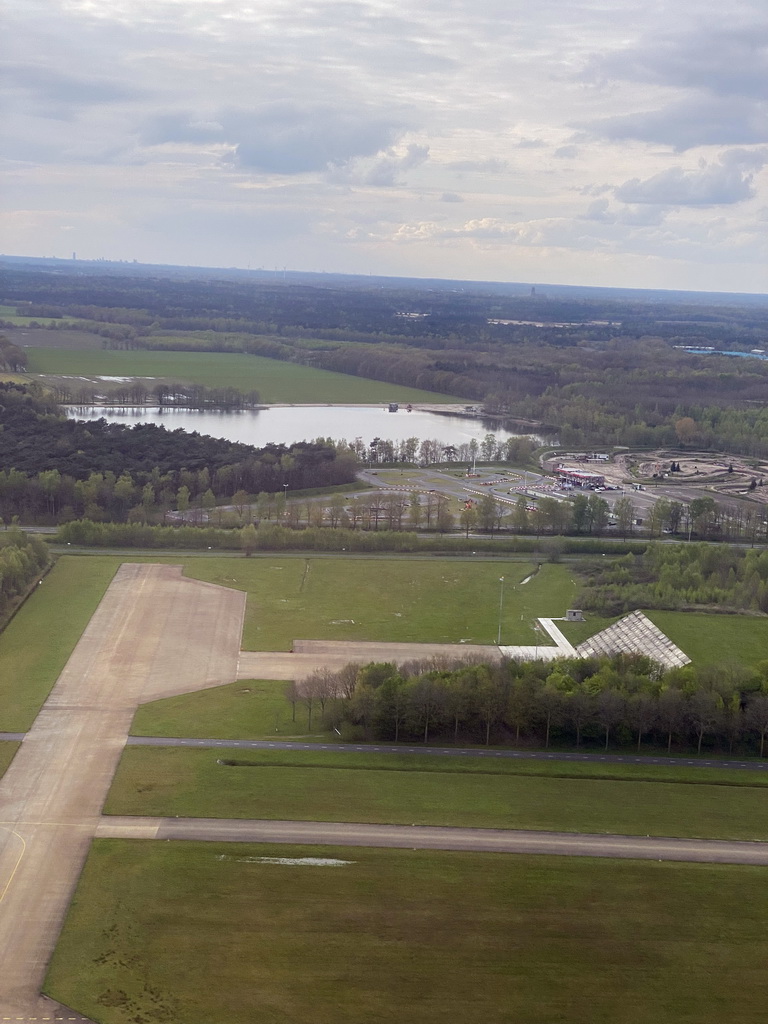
x=59 y=469
x=597 y=370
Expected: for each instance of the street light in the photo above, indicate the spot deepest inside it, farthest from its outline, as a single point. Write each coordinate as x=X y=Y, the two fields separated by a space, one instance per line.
x=501 y=608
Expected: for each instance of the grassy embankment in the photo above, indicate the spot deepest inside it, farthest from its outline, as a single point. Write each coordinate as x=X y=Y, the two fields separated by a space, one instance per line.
x=275 y=380
x=221 y=933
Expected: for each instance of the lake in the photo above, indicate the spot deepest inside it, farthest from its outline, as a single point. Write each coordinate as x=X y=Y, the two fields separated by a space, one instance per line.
x=287 y=424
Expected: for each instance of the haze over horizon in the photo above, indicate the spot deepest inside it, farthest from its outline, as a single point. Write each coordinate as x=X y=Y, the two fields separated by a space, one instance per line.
x=615 y=144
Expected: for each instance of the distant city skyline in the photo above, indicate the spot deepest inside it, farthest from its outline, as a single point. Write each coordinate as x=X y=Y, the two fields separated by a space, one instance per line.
x=614 y=144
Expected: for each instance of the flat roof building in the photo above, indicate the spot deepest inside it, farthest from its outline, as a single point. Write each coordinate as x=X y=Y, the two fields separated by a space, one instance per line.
x=580 y=477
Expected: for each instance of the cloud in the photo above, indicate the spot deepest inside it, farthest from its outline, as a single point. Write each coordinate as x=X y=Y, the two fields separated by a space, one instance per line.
x=451 y=197
x=60 y=94
x=289 y=138
x=697 y=121
x=488 y=166
x=566 y=152
x=387 y=168
x=601 y=212
x=725 y=61
x=711 y=80
x=725 y=181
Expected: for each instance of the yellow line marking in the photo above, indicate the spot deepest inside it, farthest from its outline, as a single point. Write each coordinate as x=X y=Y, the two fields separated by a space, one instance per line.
x=12 y=876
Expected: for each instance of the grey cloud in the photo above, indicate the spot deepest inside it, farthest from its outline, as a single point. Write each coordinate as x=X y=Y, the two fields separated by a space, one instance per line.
x=283 y=138
x=451 y=197
x=700 y=121
x=59 y=94
x=723 y=182
x=181 y=127
x=728 y=62
x=564 y=152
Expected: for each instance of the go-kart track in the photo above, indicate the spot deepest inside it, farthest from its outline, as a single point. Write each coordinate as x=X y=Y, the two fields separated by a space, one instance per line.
x=154 y=634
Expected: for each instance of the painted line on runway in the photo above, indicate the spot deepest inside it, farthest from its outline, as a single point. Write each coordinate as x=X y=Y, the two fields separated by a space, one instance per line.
x=7 y=885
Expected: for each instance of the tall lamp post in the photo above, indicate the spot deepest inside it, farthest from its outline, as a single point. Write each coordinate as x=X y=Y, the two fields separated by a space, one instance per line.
x=501 y=608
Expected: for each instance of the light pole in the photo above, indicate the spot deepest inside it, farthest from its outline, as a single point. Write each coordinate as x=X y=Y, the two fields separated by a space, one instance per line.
x=501 y=608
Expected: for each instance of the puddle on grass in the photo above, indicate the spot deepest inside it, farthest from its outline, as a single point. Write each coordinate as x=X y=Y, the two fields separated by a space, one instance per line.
x=311 y=862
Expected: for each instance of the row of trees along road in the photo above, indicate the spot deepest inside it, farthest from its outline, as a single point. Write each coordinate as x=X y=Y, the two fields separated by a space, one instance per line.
x=621 y=701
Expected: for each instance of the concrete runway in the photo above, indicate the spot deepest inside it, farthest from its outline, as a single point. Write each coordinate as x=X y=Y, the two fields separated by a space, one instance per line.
x=423 y=837
x=152 y=627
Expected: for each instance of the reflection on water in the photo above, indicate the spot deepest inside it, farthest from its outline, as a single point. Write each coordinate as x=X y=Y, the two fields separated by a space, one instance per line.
x=287 y=424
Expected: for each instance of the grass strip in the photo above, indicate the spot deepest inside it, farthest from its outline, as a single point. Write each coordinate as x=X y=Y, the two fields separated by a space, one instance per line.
x=168 y=781
x=8 y=750
x=232 y=933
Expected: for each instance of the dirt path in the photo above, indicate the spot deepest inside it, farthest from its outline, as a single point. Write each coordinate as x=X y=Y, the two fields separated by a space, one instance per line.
x=153 y=631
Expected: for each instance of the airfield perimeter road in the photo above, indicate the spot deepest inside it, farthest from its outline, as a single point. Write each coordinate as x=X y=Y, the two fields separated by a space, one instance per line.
x=152 y=627
x=384 y=748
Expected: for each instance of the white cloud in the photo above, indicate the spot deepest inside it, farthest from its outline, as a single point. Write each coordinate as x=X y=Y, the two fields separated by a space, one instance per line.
x=727 y=180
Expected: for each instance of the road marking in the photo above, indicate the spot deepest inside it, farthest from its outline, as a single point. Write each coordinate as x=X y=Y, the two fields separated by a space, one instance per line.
x=16 y=865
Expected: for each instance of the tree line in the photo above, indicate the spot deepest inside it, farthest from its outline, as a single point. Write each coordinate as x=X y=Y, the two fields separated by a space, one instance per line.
x=678 y=576
x=23 y=558
x=622 y=701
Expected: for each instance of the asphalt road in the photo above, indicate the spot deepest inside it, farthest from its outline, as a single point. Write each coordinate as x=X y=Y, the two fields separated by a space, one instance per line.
x=382 y=748
x=422 y=837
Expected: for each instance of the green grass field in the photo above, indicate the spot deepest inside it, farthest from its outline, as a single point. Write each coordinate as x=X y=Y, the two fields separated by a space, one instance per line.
x=7 y=752
x=221 y=933
x=405 y=600
x=242 y=710
x=35 y=645
x=168 y=781
x=276 y=381
x=709 y=639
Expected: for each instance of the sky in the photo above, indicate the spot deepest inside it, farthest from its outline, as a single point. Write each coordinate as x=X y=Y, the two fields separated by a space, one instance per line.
x=590 y=142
